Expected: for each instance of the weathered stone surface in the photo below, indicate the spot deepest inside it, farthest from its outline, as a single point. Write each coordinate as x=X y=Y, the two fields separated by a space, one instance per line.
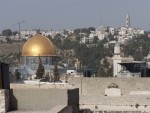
x=42 y=99
x=98 y=85
x=113 y=92
x=4 y=100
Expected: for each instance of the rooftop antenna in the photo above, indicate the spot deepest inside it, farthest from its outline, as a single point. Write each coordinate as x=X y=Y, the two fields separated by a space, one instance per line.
x=101 y=18
x=19 y=25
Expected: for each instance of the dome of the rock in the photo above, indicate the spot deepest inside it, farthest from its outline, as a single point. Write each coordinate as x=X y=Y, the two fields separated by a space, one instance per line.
x=38 y=45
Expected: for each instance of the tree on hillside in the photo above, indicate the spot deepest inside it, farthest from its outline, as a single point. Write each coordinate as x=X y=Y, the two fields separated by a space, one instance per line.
x=15 y=32
x=57 y=41
x=111 y=37
x=133 y=47
x=84 y=30
x=7 y=32
x=9 y=40
x=101 y=72
x=95 y=40
x=66 y=44
x=91 y=28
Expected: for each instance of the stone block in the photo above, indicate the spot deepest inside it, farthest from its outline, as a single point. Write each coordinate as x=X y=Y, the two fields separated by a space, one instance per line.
x=113 y=92
x=2 y=91
x=2 y=97
x=4 y=101
x=2 y=111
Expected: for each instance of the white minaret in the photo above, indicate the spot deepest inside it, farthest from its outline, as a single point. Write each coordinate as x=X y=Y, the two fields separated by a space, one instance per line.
x=116 y=59
x=117 y=49
x=127 y=21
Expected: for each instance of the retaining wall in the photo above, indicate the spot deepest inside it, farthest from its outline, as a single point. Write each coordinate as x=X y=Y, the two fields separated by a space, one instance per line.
x=98 y=85
x=42 y=99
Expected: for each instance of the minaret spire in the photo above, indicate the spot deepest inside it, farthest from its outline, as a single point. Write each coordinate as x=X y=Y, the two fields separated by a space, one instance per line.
x=117 y=52
x=127 y=21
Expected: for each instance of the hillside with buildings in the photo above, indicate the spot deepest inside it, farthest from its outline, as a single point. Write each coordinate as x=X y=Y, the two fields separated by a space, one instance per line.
x=100 y=65
x=84 y=48
x=74 y=56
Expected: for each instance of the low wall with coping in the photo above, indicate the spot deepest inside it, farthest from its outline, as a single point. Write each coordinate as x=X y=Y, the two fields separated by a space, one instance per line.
x=39 y=86
x=4 y=100
x=97 y=85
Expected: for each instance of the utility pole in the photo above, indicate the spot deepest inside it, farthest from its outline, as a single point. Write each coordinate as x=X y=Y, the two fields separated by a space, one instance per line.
x=19 y=53
x=141 y=60
x=141 y=52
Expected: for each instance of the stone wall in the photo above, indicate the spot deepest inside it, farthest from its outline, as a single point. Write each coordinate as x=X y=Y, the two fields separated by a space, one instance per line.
x=98 y=85
x=92 y=92
x=116 y=109
x=42 y=99
x=4 y=100
x=39 y=86
x=134 y=95
x=112 y=92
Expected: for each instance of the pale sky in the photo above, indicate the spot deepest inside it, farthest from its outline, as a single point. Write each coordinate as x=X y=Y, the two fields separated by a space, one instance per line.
x=71 y=14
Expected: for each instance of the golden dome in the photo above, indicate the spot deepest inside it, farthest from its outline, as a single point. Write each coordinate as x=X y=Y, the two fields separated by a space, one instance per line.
x=38 y=45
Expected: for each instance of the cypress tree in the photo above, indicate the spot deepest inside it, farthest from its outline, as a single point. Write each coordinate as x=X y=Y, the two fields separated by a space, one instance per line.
x=56 y=73
x=40 y=71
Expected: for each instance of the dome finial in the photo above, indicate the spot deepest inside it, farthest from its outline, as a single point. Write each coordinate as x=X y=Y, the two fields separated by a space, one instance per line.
x=38 y=31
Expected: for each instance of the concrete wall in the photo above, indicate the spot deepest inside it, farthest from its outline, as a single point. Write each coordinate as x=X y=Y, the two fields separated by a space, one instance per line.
x=98 y=85
x=4 y=100
x=42 y=99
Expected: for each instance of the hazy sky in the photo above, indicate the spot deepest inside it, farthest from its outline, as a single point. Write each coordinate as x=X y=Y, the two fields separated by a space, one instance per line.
x=70 y=14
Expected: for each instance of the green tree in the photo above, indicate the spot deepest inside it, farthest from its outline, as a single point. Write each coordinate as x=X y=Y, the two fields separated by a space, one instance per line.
x=56 y=73
x=84 y=30
x=133 y=47
x=78 y=38
x=9 y=40
x=15 y=32
x=95 y=40
x=57 y=41
x=91 y=28
x=67 y=44
x=101 y=72
x=18 y=76
x=40 y=71
x=111 y=37
x=7 y=32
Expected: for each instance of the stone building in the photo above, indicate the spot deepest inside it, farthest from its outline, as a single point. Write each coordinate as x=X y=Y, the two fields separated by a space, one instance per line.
x=117 y=59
